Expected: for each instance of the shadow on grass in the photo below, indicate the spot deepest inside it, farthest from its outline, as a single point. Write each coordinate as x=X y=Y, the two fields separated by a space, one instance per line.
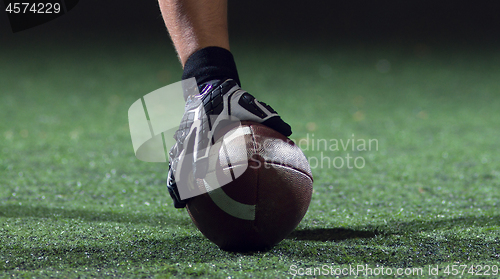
x=394 y=228
x=24 y=211
x=335 y=234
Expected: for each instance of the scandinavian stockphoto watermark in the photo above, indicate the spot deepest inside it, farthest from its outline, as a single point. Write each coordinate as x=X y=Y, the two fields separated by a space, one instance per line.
x=154 y=124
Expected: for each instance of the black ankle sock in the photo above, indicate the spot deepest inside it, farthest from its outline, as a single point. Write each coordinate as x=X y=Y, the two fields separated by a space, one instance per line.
x=211 y=63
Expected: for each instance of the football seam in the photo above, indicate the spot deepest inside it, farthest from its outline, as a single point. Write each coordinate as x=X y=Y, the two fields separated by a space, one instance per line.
x=289 y=167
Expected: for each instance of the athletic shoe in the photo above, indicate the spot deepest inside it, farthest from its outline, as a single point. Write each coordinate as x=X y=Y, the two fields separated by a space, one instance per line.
x=219 y=102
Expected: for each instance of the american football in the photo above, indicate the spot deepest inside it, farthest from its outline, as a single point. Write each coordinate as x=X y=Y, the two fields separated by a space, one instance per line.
x=267 y=199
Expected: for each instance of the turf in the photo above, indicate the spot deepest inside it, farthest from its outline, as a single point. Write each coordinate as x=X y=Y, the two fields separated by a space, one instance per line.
x=75 y=202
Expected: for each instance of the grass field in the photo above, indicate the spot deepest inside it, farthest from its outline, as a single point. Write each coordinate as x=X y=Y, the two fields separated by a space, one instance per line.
x=75 y=202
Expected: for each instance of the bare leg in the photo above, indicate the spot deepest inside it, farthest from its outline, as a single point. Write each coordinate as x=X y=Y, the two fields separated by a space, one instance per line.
x=195 y=24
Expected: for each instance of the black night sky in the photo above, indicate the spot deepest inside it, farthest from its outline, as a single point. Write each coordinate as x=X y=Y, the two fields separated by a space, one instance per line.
x=464 y=22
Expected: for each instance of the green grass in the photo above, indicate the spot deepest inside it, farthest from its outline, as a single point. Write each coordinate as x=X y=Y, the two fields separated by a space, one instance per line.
x=75 y=202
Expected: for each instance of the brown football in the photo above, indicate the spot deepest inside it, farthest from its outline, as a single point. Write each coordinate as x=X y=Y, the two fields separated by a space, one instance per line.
x=266 y=189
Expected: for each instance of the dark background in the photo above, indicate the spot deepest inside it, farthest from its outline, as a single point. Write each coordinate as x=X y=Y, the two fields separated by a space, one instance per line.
x=425 y=21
